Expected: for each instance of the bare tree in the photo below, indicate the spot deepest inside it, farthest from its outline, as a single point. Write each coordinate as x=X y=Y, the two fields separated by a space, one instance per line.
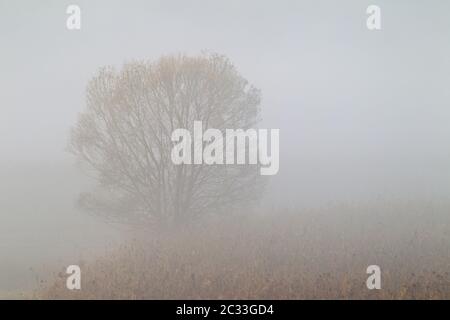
x=124 y=135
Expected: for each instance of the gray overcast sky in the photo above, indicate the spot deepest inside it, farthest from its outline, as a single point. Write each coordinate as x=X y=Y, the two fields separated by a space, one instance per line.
x=359 y=110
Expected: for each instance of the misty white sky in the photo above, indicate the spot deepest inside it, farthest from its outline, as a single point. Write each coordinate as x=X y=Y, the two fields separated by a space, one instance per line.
x=361 y=113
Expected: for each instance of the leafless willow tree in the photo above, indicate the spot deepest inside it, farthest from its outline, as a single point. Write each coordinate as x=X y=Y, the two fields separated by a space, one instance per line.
x=124 y=136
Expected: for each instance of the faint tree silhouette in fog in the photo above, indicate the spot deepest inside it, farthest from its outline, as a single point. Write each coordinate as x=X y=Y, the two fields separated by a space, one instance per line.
x=124 y=136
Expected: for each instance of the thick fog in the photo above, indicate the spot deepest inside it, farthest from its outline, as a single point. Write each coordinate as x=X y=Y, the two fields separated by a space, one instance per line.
x=363 y=115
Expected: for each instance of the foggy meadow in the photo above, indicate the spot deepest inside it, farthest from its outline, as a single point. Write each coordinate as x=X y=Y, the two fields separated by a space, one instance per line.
x=87 y=176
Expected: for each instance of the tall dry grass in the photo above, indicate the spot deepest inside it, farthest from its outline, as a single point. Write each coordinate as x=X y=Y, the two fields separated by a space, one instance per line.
x=295 y=254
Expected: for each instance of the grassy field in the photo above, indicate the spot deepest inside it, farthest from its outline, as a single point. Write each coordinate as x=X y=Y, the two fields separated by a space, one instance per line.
x=286 y=254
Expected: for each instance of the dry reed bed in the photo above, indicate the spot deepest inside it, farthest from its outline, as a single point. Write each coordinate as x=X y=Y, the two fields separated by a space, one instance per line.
x=298 y=254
